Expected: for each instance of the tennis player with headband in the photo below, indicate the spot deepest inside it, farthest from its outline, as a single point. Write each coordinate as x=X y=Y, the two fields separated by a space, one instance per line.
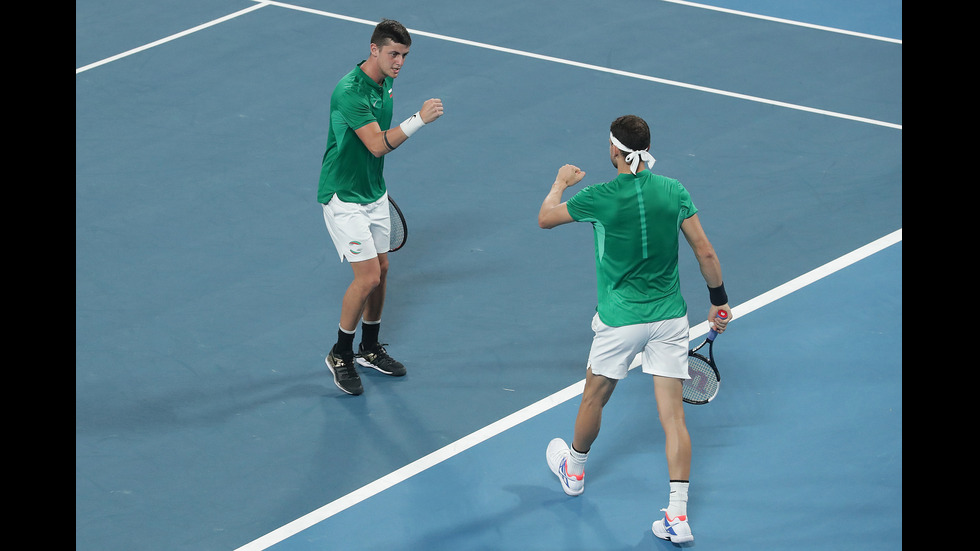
x=354 y=196
x=637 y=219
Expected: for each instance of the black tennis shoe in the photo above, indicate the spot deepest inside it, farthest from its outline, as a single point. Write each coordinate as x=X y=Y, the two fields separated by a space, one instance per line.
x=377 y=358
x=344 y=374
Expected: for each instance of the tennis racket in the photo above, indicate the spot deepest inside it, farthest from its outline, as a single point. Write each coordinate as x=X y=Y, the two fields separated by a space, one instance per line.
x=705 y=379
x=399 y=231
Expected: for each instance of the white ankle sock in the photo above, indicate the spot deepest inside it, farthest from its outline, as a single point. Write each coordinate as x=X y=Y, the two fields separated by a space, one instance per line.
x=576 y=461
x=678 y=499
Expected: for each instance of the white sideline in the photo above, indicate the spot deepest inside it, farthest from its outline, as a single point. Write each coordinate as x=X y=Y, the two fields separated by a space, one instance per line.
x=171 y=37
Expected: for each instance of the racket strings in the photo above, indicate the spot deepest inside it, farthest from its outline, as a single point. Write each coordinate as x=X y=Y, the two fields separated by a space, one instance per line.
x=703 y=384
x=398 y=233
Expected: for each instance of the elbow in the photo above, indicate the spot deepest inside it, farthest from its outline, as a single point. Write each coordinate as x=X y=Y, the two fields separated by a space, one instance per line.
x=706 y=254
x=377 y=148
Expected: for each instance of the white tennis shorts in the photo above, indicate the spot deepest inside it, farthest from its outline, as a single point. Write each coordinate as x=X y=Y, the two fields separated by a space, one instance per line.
x=359 y=232
x=664 y=346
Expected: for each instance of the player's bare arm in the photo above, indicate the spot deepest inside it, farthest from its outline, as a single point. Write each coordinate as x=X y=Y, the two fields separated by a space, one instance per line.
x=553 y=211
x=381 y=142
x=710 y=266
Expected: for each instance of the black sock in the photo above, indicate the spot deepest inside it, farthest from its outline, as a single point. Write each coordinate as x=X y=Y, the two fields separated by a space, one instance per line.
x=369 y=334
x=345 y=342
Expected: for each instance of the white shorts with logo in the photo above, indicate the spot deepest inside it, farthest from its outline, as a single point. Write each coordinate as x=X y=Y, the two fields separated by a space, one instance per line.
x=663 y=345
x=359 y=232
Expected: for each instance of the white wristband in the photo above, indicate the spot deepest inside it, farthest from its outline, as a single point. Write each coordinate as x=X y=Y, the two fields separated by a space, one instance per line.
x=412 y=124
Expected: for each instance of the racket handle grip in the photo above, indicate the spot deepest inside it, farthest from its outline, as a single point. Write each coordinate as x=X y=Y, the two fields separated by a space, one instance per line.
x=720 y=315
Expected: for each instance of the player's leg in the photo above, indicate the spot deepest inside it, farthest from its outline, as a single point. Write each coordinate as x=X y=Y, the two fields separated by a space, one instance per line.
x=371 y=352
x=613 y=348
x=598 y=390
x=379 y=227
x=340 y=360
x=374 y=305
x=674 y=525
x=568 y=464
x=670 y=408
x=349 y=228
x=367 y=279
x=665 y=357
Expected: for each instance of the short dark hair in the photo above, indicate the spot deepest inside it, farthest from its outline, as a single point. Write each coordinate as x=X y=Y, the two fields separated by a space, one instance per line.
x=390 y=30
x=631 y=131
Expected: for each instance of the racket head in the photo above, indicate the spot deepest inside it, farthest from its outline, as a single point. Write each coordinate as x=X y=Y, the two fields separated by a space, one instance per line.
x=705 y=379
x=399 y=230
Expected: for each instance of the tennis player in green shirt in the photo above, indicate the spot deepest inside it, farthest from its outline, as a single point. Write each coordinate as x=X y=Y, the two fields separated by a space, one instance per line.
x=637 y=219
x=354 y=197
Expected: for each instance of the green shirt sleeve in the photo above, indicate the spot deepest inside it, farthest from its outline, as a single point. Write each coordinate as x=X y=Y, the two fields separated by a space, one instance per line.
x=355 y=109
x=687 y=208
x=580 y=205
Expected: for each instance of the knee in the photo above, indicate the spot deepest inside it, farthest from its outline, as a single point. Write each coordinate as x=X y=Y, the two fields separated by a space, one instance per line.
x=368 y=280
x=371 y=282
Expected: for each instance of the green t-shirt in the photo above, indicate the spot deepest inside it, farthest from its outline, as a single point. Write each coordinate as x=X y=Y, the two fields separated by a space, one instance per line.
x=636 y=220
x=349 y=170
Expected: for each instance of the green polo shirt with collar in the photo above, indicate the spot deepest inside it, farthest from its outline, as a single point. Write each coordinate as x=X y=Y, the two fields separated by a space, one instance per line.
x=349 y=170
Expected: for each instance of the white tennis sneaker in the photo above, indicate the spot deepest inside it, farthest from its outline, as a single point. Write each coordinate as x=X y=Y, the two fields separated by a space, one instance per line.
x=557 y=456
x=676 y=529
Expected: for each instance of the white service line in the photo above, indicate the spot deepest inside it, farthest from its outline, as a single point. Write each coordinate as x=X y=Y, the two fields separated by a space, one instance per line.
x=560 y=397
x=181 y=34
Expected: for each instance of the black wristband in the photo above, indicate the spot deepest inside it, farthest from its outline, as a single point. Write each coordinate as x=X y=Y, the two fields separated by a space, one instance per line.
x=387 y=143
x=718 y=295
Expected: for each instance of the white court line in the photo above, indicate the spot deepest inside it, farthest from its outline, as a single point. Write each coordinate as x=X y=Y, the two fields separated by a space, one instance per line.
x=786 y=21
x=514 y=419
x=602 y=69
x=171 y=37
x=589 y=66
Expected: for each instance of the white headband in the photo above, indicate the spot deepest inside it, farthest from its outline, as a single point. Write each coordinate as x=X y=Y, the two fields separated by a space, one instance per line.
x=634 y=156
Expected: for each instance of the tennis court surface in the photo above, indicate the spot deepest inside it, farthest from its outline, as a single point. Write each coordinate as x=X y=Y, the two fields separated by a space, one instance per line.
x=207 y=292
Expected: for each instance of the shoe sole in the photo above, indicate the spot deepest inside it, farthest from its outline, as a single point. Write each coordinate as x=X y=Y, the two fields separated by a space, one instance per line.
x=672 y=539
x=365 y=363
x=336 y=382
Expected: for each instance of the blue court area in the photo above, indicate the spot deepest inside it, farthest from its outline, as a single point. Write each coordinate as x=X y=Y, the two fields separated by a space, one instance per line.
x=801 y=450
x=207 y=292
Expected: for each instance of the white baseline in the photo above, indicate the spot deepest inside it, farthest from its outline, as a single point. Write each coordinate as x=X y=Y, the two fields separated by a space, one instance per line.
x=601 y=69
x=786 y=21
x=589 y=66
